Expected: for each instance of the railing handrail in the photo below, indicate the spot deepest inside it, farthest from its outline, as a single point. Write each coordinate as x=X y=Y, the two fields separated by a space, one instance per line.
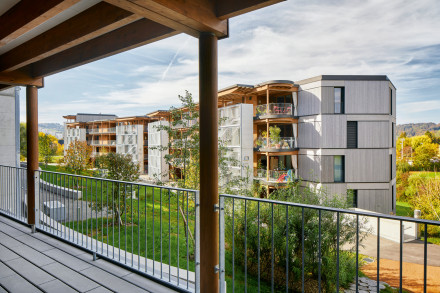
x=120 y=181
x=22 y=168
x=337 y=210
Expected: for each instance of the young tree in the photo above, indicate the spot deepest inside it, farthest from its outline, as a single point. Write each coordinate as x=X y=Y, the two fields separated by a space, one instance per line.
x=121 y=168
x=184 y=148
x=47 y=147
x=77 y=158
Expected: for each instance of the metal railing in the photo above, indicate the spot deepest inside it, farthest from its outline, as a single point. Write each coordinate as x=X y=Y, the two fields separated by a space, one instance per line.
x=104 y=142
x=275 y=109
x=276 y=176
x=13 y=192
x=152 y=229
x=271 y=245
x=281 y=143
x=101 y=130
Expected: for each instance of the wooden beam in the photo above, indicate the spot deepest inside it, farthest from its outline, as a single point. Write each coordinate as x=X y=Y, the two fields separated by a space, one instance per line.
x=20 y=78
x=190 y=16
x=133 y=35
x=91 y=23
x=229 y=8
x=5 y=87
x=28 y=14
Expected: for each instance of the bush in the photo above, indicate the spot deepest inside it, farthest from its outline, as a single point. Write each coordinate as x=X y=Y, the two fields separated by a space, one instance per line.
x=293 y=227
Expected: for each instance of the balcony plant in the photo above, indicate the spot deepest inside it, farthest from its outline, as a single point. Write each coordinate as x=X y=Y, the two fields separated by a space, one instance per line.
x=264 y=139
x=274 y=134
x=261 y=110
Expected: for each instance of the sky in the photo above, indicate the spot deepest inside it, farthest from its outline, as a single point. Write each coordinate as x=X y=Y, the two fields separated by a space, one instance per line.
x=292 y=40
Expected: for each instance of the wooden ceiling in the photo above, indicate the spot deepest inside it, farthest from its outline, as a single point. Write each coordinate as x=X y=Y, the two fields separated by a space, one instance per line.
x=40 y=38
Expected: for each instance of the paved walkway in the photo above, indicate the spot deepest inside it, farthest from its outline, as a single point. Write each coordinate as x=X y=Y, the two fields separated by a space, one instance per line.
x=412 y=251
x=38 y=263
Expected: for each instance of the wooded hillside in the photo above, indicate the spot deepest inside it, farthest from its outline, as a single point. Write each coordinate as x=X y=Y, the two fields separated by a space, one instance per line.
x=413 y=129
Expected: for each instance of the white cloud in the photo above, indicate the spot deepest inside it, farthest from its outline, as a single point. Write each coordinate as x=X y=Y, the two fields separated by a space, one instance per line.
x=291 y=40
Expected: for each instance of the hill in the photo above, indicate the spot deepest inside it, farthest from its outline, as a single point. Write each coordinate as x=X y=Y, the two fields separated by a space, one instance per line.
x=55 y=129
x=413 y=129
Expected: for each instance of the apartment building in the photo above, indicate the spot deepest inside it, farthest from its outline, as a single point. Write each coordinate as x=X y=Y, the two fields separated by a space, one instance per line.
x=108 y=133
x=333 y=132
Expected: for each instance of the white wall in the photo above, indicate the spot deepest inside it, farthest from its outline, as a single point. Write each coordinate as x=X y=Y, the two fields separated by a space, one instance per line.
x=157 y=167
x=9 y=132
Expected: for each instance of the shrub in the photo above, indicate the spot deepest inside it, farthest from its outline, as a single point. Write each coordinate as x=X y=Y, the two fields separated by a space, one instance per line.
x=293 y=226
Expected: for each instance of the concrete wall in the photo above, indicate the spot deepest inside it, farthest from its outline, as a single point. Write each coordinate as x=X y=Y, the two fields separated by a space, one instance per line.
x=9 y=128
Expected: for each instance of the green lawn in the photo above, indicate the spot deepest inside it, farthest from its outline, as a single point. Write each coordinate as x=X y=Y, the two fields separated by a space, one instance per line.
x=404 y=209
x=426 y=174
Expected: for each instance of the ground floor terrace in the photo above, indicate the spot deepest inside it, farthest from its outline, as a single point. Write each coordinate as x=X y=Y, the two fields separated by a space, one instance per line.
x=95 y=234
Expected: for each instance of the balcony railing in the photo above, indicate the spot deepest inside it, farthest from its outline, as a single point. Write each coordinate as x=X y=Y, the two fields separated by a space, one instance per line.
x=101 y=130
x=103 y=142
x=265 y=245
x=275 y=176
x=278 y=144
x=274 y=109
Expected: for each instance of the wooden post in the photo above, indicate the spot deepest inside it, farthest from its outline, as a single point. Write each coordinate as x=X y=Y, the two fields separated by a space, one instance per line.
x=32 y=148
x=209 y=225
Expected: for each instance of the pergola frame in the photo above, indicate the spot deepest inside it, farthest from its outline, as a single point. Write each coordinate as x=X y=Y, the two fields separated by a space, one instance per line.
x=35 y=42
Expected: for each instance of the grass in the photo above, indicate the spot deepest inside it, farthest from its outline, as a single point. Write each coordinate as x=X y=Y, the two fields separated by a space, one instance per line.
x=404 y=209
x=426 y=174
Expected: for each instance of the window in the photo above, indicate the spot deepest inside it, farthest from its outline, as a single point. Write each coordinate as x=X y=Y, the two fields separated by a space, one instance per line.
x=392 y=198
x=352 y=134
x=391 y=167
x=391 y=101
x=353 y=197
x=393 y=134
x=339 y=100
x=339 y=167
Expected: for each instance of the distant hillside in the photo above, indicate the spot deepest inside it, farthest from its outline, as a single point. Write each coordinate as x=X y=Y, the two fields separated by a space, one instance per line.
x=413 y=129
x=55 y=129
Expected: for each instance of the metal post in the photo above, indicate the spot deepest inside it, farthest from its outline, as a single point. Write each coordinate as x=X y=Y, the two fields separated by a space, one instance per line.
x=209 y=230
x=32 y=147
x=222 y=245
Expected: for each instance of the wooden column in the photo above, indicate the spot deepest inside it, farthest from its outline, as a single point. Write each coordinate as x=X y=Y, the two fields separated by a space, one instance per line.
x=209 y=226
x=32 y=148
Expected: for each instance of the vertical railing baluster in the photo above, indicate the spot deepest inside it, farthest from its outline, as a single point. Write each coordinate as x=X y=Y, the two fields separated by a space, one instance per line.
x=272 y=253
x=287 y=248
x=169 y=236
x=178 y=246
x=258 y=222
x=139 y=228
x=245 y=245
x=233 y=245
x=160 y=218
x=357 y=252
x=337 y=251
x=425 y=257
x=154 y=245
x=378 y=255
x=132 y=224
x=125 y=221
x=401 y=256
x=303 y=253
x=319 y=250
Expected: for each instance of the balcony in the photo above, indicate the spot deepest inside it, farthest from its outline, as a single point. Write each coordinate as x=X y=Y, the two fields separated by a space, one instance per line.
x=265 y=245
x=275 y=176
x=275 y=110
x=111 y=130
x=103 y=142
x=281 y=144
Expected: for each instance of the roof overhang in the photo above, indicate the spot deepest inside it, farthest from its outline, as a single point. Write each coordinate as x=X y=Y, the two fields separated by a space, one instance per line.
x=40 y=38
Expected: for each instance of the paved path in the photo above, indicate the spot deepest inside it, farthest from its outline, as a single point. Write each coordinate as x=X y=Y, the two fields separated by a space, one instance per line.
x=38 y=263
x=412 y=251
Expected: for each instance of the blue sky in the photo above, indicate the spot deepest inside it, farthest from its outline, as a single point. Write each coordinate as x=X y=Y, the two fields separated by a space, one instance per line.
x=292 y=40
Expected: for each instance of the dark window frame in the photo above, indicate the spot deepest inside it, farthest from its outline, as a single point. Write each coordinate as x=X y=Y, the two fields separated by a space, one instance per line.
x=352 y=142
x=342 y=180
x=342 y=104
x=391 y=101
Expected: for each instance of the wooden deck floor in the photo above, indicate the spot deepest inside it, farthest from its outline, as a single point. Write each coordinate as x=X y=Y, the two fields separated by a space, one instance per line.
x=38 y=263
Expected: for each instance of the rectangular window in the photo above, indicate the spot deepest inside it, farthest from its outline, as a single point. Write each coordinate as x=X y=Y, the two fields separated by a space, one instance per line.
x=391 y=101
x=353 y=198
x=393 y=134
x=391 y=167
x=352 y=134
x=339 y=93
x=339 y=168
x=392 y=198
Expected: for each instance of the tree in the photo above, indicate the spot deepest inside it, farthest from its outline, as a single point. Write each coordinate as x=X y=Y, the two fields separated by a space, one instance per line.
x=77 y=158
x=23 y=140
x=423 y=155
x=119 y=167
x=427 y=200
x=184 y=148
x=47 y=147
